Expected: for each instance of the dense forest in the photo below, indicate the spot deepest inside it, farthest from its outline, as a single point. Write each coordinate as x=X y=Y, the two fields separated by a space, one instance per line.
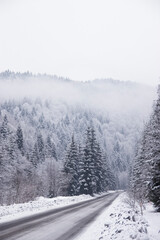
x=60 y=137
x=145 y=177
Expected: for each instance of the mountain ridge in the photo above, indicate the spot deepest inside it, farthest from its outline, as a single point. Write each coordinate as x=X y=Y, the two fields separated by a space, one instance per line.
x=8 y=74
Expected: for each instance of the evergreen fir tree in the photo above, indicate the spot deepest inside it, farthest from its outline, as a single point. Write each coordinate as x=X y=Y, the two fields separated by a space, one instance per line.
x=35 y=159
x=41 y=147
x=4 y=130
x=91 y=173
x=98 y=169
x=154 y=155
x=50 y=148
x=145 y=180
x=12 y=153
x=89 y=182
x=81 y=170
x=71 y=168
x=140 y=176
x=117 y=157
x=19 y=139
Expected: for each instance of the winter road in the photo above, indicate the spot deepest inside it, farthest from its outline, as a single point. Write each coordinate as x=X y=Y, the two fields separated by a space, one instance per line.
x=58 y=224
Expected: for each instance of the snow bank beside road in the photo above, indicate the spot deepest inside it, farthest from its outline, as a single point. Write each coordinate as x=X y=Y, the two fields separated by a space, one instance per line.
x=153 y=219
x=121 y=222
x=117 y=222
x=41 y=204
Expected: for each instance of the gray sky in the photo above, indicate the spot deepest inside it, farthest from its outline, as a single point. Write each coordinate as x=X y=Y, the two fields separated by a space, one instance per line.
x=82 y=39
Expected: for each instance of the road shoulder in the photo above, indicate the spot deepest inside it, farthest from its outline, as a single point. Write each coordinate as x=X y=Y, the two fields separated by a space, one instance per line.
x=120 y=221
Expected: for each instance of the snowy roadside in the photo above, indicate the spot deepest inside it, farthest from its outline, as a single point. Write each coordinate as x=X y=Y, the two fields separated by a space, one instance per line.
x=153 y=219
x=41 y=204
x=121 y=222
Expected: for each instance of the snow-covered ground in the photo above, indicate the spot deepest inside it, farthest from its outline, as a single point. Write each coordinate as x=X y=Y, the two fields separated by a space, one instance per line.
x=121 y=222
x=153 y=219
x=41 y=204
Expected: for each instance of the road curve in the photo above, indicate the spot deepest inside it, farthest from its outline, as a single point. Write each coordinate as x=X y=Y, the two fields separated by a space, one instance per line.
x=57 y=224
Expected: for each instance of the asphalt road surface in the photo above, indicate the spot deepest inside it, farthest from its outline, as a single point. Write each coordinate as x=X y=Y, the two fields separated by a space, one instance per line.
x=58 y=224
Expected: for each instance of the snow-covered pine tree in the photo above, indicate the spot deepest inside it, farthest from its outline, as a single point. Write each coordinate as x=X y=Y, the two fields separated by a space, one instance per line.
x=41 y=147
x=50 y=149
x=139 y=173
x=81 y=171
x=4 y=130
x=154 y=153
x=19 y=139
x=52 y=175
x=111 y=178
x=95 y=161
x=35 y=159
x=71 y=168
x=117 y=157
x=141 y=176
x=91 y=165
x=98 y=169
x=109 y=181
x=89 y=180
x=145 y=180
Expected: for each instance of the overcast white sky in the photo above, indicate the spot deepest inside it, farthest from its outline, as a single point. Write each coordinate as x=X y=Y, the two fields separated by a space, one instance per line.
x=82 y=39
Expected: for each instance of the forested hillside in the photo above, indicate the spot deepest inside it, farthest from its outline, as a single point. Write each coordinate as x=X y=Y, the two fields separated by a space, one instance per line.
x=46 y=123
x=145 y=177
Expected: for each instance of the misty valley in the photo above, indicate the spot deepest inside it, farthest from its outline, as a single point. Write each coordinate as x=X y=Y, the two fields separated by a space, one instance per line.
x=51 y=127
x=79 y=120
x=68 y=150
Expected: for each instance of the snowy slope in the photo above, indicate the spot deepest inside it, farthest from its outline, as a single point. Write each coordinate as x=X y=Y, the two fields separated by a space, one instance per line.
x=61 y=107
x=41 y=204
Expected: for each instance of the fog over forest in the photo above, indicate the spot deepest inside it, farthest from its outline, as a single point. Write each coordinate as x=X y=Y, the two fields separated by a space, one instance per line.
x=50 y=106
x=105 y=94
x=80 y=119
